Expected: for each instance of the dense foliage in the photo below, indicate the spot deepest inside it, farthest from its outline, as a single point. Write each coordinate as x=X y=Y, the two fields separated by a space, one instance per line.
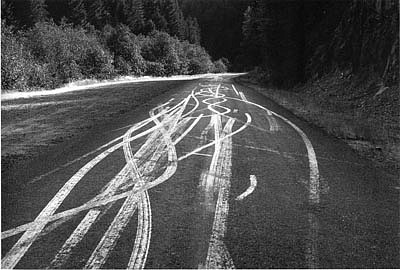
x=220 y=23
x=54 y=42
x=288 y=42
x=292 y=41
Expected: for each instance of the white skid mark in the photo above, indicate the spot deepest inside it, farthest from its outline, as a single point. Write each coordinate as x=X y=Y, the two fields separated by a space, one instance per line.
x=221 y=139
x=314 y=194
x=80 y=231
x=102 y=251
x=209 y=181
x=249 y=190
x=204 y=155
x=133 y=198
x=188 y=129
x=312 y=257
x=26 y=240
x=234 y=89
x=108 y=241
x=93 y=204
x=243 y=96
x=141 y=248
x=32 y=232
x=218 y=256
x=142 y=242
x=273 y=124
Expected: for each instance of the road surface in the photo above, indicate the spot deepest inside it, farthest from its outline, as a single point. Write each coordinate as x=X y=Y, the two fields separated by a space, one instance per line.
x=214 y=176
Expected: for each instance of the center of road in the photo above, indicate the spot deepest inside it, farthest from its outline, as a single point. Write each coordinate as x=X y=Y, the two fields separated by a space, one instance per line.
x=156 y=161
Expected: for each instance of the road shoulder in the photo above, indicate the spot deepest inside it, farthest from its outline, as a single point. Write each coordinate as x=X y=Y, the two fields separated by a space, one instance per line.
x=352 y=129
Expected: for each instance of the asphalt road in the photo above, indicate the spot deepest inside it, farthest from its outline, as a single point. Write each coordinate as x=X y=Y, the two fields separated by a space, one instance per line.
x=213 y=175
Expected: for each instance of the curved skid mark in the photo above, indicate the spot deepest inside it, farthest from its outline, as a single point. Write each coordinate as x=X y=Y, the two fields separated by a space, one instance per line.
x=89 y=205
x=76 y=237
x=177 y=140
x=195 y=107
x=108 y=242
x=136 y=197
x=234 y=89
x=32 y=232
x=78 y=234
x=221 y=139
x=249 y=190
x=314 y=194
x=142 y=241
x=273 y=124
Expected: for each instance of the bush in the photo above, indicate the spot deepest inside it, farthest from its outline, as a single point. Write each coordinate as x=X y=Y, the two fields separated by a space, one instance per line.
x=199 y=60
x=15 y=64
x=220 y=67
x=69 y=53
x=177 y=57
x=48 y=55
x=155 y=69
x=126 y=48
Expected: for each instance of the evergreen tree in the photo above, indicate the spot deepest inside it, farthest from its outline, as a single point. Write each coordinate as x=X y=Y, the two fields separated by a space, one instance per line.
x=136 y=16
x=78 y=12
x=149 y=8
x=7 y=12
x=192 y=30
x=149 y=26
x=197 y=31
x=159 y=20
x=98 y=14
x=247 y=23
x=39 y=11
x=175 y=18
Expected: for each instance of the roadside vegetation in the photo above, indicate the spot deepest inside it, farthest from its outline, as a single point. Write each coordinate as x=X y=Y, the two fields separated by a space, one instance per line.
x=334 y=63
x=41 y=49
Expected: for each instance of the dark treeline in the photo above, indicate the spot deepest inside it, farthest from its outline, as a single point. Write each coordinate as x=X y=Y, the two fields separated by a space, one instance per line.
x=141 y=16
x=221 y=24
x=46 y=43
x=293 y=41
x=286 y=41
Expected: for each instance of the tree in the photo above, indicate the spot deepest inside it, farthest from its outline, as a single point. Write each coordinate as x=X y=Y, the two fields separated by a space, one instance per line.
x=7 y=13
x=39 y=11
x=175 y=19
x=159 y=20
x=247 y=25
x=136 y=16
x=98 y=14
x=192 y=30
x=78 y=12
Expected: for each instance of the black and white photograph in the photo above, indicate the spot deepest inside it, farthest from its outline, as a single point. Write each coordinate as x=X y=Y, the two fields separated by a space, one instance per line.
x=200 y=134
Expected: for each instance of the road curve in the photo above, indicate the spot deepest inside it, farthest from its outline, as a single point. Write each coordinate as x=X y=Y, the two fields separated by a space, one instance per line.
x=172 y=190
